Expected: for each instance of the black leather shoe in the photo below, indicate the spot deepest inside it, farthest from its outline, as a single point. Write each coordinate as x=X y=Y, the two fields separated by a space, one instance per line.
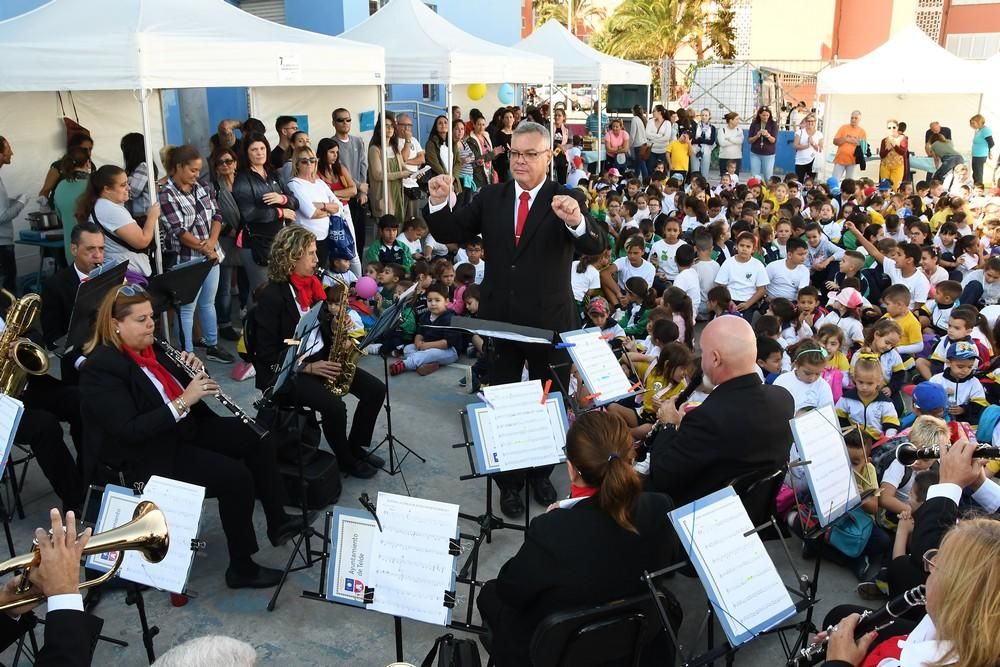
x=265 y=577
x=361 y=469
x=372 y=458
x=285 y=530
x=511 y=504
x=542 y=490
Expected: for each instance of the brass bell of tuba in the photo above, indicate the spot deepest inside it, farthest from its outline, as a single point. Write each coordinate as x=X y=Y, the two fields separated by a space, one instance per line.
x=146 y=532
x=19 y=357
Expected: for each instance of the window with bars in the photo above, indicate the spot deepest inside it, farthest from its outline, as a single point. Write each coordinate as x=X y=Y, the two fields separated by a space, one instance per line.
x=928 y=16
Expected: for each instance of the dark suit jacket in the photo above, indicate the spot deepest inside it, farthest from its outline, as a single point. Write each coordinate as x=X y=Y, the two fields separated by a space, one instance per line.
x=276 y=315
x=69 y=637
x=527 y=284
x=58 y=297
x=741 y=427
x=129 y=427
x=579 y=556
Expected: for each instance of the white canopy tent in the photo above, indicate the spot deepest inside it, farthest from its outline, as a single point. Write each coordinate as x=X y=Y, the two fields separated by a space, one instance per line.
x=910 y=77
x=148 y=45
x=575 y=62
x=432 y=50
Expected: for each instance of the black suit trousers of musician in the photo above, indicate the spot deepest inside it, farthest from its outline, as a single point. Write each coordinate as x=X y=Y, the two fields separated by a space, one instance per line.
x=234 y=466
x=40 y=429
x=370 y=392
x=508 y=362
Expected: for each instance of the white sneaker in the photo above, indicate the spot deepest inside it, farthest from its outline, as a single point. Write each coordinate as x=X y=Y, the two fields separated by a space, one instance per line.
x=374 y=348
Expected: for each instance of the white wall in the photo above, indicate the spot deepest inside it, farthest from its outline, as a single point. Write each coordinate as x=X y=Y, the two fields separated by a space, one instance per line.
x=32 y=123
x=316 y=102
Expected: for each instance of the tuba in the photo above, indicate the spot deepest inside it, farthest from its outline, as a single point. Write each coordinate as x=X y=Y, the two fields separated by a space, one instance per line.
x=344 y=350
x=19 y=357
x=146 y=532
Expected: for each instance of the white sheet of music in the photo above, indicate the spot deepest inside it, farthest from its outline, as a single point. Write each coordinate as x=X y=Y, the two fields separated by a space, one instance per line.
x=519 y=430
x=734 y=567
x=831 y=480
x=116 y=510
x=11 y=410
x=411 y=567
x=181 y=504
x=602 y=373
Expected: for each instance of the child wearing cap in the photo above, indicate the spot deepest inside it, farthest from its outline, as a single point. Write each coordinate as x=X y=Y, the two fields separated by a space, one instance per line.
x=845 y=312
x=599 y=315
x=966 y=396
x=577 y=173
x=928 y=399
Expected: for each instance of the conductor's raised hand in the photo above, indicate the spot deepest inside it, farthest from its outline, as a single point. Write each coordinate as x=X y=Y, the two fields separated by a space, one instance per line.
x=439 y=189
x=568 y=209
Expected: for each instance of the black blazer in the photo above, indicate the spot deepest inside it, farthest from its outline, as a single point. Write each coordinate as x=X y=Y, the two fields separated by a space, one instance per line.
x=276 y=315
x=69 y=637
x=129 y=427
x=527 y=284
x=579 y=556
x=742 y=426
x=58 y=298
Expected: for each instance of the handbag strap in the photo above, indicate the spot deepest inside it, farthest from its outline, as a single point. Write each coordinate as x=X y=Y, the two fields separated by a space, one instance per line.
x=429 y=660
x=120 y=241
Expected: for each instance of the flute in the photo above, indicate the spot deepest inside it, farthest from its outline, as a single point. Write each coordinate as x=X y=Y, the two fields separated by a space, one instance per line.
x=177 y=357
x=869 y=621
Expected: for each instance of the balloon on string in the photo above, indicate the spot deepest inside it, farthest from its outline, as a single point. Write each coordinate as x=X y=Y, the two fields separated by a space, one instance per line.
x=505 y=93
x=476 y=91
x=366 y=287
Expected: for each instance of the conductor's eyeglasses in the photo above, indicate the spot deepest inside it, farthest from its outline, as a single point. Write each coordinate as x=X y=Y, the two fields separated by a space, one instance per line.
x=528 y=156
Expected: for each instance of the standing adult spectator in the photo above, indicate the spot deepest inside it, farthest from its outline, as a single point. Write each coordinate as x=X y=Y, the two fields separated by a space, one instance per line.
x=947 y=156
x=223 y=172
x=411 y=156
x=982 y=146
x=808 y=146
x=332 y=171
x=298 y=140
x=730 y=143
x=354 y=157
x=685 y=122
x=847 y=140
x=264 y=207
x=285 y=126
x=658 y=132
x=196 y=223
x=894 y=152
x=456 y=113
x=797 y=115
x=531 y=229
x=439 y=153
x=317 y=202
x=763 y=138
x=10 y=208
x=935 y=128
x=596 y=121
x=385 y=162
x=500 y=136
x=66 y=181
x=133 y=147
x=704 y=139
x=483 y=152
x=562 y=140
x=640 y=143
x=617 y=145
x=716 y=441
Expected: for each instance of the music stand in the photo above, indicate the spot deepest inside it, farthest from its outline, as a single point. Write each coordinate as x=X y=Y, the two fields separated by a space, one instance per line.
x=89 y=295
x=178 y=286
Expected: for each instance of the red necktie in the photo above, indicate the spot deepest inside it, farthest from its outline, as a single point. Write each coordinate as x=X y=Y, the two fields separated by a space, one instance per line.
x=522 y=215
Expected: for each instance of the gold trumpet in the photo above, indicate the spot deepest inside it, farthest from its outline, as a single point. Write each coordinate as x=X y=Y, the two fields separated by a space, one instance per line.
x=146 y=533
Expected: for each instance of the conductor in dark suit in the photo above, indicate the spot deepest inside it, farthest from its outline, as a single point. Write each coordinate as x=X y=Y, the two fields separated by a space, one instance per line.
x=741 y=427
x=531 y=229
x=70 y=633
x=589 y=550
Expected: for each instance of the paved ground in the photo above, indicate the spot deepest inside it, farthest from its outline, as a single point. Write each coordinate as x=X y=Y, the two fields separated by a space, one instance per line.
x=305 y=632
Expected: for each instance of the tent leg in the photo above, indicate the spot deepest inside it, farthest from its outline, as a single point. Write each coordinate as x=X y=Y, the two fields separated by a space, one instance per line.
x=552 y=130
x=385 y=172
x=451 y=139
x=151 y=184
x=600 y=138
x=827 y=170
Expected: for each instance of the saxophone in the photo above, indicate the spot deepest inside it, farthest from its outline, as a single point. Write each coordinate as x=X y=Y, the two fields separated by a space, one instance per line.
x=344 y=350
x=19 y=357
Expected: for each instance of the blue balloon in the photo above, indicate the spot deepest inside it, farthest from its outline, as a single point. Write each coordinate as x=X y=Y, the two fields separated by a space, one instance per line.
x=506 y=93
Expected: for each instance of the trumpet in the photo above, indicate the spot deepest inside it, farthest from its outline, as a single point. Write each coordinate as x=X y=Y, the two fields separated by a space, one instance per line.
x=146 y=533
x=908 y=453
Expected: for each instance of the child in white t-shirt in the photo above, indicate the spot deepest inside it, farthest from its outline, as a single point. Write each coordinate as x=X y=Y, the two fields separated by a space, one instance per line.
x=663 y=252
x=632 y=264
x=744 y=276
x=687 y=276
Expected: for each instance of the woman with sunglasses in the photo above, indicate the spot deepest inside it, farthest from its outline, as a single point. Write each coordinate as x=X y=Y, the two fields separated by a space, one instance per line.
x=292 y=289
x=145 y=416
x=316 y=200
x=894 y=152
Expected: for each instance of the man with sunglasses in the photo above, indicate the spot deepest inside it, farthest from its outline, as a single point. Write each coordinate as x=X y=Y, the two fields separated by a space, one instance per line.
x=354 y=157
x=531 y=228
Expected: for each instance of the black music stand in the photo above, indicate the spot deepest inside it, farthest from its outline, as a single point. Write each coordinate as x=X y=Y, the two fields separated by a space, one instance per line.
x=178 y=287
x=88 y=299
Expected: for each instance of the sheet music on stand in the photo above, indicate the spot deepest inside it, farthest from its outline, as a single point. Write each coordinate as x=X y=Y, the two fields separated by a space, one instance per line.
x=741 y=581
x=305 y=330
x=11 y=410
x=406 y=568
x=513 y=430
x=602 y=374
x=181 y=504
x=819 y=440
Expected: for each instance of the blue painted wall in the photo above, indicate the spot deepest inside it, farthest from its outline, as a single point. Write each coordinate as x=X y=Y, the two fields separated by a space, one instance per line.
x=11 y=8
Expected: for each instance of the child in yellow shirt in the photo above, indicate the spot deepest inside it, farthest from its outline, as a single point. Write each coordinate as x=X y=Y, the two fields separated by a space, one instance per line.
x=679 y=155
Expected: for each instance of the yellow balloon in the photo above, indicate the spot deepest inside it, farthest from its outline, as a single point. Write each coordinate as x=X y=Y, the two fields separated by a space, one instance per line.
x=477 y=91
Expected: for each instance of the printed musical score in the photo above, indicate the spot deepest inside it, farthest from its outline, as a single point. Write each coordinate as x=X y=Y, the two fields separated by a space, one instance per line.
x=602 y=373
x=181 y=504
x=11 y=410
x=829 y=474
x=517 y=430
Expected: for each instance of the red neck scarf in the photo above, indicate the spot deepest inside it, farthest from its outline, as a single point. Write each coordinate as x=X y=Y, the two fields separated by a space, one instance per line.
x=582 y=491
x=147 y=360
x=308 y=290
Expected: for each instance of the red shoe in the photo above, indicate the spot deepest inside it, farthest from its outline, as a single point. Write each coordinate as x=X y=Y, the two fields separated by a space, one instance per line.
x=397 y=368
x=427 y=369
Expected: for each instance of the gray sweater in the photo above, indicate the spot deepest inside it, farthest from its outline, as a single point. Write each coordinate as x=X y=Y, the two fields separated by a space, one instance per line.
x=9 y=209
x=354 y=156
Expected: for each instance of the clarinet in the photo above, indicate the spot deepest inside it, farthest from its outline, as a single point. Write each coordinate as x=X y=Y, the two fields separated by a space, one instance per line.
x=175 y=356
x=642 y=450
x=870 y=620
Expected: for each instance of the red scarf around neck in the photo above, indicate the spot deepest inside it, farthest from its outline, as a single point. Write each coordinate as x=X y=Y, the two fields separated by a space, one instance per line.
x=308 y=290
x=147 y=359
x=582 y=491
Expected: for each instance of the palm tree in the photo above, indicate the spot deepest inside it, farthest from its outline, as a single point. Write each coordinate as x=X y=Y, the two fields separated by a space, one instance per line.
x=584 y=11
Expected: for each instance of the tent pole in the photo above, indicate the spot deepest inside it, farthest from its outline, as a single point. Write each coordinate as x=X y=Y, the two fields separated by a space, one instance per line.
x=827 y=136
x=451 y=140
x=151 y=185
x=552 y=130
x=385 y=159
x=600 y=138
